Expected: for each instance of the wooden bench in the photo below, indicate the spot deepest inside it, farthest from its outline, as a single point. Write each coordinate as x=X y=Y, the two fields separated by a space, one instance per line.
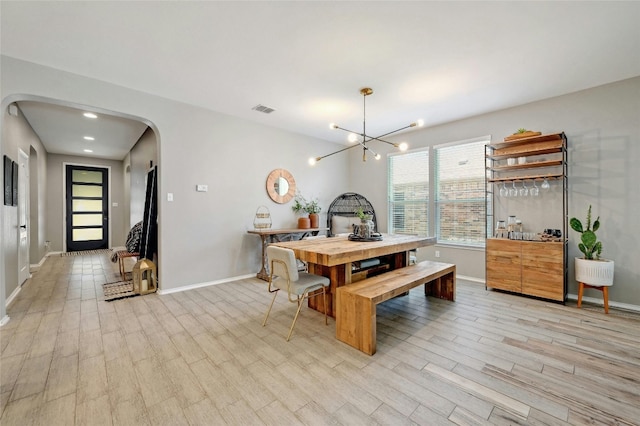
x=122 y=255
x=356 y=303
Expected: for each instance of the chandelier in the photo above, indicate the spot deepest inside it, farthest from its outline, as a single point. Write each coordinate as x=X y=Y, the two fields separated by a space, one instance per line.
x=363 y=138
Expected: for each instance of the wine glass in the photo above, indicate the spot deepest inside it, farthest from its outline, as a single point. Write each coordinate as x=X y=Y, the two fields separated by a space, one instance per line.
x=545 y=185
x=513 y=192
x=504 y=191
x=524 y=191
x=535 y=191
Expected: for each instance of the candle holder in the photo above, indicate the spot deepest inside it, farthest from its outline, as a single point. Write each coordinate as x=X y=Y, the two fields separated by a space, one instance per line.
x=144 y=277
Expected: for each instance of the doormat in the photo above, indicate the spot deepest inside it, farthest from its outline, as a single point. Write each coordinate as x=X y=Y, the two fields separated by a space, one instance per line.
x=118 y=290
x=85 y=252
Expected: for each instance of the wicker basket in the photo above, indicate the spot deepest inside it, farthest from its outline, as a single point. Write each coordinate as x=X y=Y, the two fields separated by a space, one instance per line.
x=262 y=219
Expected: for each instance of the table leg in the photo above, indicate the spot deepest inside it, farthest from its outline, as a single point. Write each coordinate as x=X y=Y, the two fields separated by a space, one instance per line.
x=263 y=274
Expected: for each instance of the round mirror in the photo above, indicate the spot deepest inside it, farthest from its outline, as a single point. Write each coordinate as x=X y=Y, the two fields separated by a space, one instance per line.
x=281 y=186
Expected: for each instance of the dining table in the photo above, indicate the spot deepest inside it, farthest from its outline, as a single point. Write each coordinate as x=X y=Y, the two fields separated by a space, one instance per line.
x=344 y=261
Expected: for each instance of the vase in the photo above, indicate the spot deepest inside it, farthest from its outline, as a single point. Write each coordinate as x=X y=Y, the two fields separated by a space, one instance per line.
x=304 y=223
x=365 y=229
x=594 y=272
x=315 y=219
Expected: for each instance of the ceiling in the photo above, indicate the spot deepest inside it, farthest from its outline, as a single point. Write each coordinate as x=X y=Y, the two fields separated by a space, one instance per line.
x=436 y=61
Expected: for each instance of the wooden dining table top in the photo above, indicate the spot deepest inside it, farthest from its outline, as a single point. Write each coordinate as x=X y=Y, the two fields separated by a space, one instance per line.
x=340 y=250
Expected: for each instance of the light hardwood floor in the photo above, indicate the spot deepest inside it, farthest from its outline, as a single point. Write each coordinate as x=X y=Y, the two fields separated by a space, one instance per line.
x=201 y=357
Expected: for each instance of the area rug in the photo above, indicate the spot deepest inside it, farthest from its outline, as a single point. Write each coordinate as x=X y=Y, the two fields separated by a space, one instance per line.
x=118 y=290
x=85 y=252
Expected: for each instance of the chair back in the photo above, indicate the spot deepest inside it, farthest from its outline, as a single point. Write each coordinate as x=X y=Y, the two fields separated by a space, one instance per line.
x=282 y=262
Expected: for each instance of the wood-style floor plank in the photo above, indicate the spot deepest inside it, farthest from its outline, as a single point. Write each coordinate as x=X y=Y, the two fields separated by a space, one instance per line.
x=202 y=357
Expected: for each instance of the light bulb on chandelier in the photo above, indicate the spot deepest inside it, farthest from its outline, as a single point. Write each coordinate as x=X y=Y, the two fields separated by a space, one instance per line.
x=354 y=136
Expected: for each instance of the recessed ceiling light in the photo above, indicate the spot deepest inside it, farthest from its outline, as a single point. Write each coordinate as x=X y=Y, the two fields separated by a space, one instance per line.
x=89 y=138
x=90 y=115
x=87 y=150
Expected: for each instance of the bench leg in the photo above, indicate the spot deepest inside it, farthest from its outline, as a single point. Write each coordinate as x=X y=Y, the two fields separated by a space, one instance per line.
x=443 y=287
x=356 y=322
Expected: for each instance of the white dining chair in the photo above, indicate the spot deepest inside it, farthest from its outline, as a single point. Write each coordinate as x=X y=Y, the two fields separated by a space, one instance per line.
x=299 y=286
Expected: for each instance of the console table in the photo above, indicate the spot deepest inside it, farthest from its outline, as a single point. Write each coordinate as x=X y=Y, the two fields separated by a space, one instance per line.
x=268 y=236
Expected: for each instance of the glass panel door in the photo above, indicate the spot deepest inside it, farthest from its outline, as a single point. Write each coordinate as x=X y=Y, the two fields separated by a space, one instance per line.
x=87 y=208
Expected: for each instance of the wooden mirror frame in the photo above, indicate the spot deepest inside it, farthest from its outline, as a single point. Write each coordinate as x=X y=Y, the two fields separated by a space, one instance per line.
x=271 y=186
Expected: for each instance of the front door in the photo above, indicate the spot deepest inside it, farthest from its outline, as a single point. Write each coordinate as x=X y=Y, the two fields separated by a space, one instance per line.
x=87 y=208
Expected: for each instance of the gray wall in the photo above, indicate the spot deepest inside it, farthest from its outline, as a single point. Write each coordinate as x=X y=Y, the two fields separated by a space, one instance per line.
x=56 y=197
x=17 y=131
x=603 y=129
x=144 y=152
x=202 y=236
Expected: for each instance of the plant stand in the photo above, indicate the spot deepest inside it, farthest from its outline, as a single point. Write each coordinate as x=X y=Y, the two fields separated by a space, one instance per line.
x=603 y=289
x=596 y=274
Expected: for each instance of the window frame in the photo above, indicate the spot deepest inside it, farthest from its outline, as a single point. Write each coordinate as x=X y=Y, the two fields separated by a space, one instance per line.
x=432 y=202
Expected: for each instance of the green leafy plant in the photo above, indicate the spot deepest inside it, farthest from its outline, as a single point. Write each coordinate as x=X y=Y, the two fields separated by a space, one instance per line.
x=521 y=130
x=363 y=215
x=301 y=205
x=589 y=245
x=313 y=207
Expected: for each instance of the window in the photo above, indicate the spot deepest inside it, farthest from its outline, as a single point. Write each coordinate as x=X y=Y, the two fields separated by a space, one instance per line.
x=460 y=192
x=408 y=193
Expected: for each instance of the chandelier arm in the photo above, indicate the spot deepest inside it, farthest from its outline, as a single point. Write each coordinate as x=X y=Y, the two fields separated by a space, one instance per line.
x=336 y=152
x=393 y=131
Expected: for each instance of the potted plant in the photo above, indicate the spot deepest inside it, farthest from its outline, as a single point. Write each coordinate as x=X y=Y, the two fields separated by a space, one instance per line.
x=591 y=269
x=300 y=207
x=313 y=208
x=366 y=228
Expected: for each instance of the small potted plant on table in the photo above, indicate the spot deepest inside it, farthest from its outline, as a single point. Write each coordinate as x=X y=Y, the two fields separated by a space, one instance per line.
x=313 y=208
x=299 y=208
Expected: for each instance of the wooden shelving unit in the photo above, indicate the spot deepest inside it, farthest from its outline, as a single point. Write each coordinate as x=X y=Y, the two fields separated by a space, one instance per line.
x=533 y=268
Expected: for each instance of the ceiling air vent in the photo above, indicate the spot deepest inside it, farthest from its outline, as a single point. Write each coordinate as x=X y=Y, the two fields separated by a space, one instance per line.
x=262 y=108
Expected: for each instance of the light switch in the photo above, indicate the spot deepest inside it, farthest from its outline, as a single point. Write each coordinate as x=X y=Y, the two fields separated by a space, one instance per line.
x=202 y=188
x=114 y=204
x=169 y=196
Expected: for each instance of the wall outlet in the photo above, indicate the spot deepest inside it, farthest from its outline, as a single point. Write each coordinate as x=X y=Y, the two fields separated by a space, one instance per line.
x=169 y=196
x=202 y=188
x=437 y=253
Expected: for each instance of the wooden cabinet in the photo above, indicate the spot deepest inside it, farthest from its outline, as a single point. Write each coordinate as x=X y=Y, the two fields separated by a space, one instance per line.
x=504 y=265
x=528 y=267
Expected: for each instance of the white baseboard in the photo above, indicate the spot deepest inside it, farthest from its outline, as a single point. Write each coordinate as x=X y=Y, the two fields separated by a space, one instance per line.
x=472 y=279
x=53 y=253
x=206 y=284
x=592 y=300
x=600 y=302
x=13 y=295
x=4 y=320
x=36 y=266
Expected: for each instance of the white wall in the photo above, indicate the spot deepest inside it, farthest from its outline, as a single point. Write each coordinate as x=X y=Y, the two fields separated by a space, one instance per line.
x=17 y=129
x=202 y=236
x=141 y=156
x=603 y=129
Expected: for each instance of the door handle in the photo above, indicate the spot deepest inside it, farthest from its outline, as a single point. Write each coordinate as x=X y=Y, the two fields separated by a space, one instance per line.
x=23 y=226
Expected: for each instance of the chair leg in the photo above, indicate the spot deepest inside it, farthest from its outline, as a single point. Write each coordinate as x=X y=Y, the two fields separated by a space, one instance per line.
x=580 y=291
x=275 y=293
x=294 y=319
x=605 y=296
x=324 y=299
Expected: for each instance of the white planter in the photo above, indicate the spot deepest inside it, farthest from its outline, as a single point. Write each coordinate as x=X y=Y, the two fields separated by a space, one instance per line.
x=594 y=272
